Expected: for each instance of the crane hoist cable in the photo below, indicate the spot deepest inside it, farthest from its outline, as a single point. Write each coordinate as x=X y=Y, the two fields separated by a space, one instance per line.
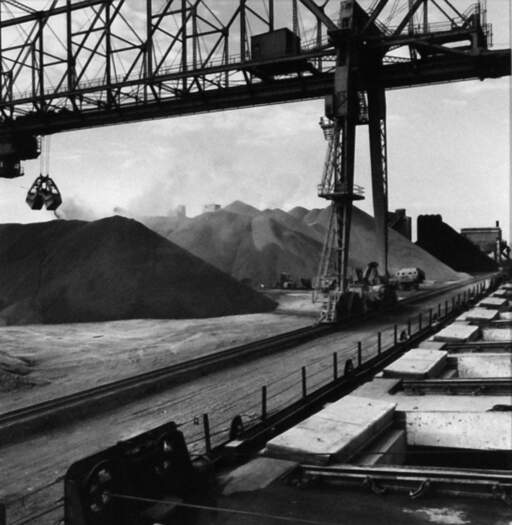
x=44 y=191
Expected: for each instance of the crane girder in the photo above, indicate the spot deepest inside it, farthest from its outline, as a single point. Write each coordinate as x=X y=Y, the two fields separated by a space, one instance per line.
x=491 y=64
x=146 y=70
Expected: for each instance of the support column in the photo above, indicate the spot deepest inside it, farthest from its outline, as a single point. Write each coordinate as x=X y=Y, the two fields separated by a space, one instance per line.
x=345 y=181
x=338 y=179
x=378 y=155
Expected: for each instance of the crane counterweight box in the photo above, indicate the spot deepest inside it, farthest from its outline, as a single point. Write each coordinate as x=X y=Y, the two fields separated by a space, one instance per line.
x=275 y=44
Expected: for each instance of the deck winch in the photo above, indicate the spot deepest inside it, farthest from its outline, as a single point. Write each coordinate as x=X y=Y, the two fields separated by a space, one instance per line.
x=120 y=484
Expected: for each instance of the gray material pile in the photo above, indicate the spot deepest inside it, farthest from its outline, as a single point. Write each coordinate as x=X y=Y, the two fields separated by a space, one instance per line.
x=259 y=245
x=114 y=268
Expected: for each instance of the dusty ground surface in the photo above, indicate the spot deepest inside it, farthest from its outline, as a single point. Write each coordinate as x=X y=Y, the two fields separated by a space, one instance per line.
x=38 y=362
x=44 y=361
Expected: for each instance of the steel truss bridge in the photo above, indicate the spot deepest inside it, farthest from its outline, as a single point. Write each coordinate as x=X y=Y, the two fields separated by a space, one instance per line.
x=84 y=63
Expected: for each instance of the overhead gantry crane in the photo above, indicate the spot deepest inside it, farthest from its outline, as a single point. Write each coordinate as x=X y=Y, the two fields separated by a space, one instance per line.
x=85 y=63
x=362 y=44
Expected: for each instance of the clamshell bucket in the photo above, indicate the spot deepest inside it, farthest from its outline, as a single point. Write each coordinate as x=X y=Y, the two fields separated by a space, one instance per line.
x=44 y=191
x=35 y=198
x=51 y=195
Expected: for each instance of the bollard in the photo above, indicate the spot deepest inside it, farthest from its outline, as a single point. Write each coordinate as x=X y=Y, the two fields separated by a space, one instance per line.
x=207 y=437
x=395 y=334
x=263 y=403
x=304 y=386
x=379 y=343
x=359 y=353
x=439 y=310
x=335 y=365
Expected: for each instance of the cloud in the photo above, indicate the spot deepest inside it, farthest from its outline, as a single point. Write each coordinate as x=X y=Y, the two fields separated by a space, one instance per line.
x=75 y=209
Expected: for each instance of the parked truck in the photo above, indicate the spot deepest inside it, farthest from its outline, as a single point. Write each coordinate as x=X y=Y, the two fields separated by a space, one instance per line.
x=409 y=278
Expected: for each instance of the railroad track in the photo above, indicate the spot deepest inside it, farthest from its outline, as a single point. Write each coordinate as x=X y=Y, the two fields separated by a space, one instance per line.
x=417 y=481
x=460 y=386
x=479 y=346
x=17 y=423
x=427 y=294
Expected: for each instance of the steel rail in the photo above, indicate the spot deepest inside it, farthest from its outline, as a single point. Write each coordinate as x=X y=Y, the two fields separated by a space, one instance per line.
x=417 y=481
x=412 y=471
x=479 y=346
x=16 y=423
x=257 y=432
x=474 y=386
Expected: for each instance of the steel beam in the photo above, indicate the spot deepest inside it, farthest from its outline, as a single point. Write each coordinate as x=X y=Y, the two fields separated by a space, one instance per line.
x=33 y=17
x=413 y=7
x=493 y=64
x=164 y=68
x=375 y=13
x=378 y=157
x=320 y=14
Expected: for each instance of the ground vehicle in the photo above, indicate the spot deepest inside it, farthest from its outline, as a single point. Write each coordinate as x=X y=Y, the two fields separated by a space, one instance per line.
x=369 y=291
x=287 y=282
x=409 y=278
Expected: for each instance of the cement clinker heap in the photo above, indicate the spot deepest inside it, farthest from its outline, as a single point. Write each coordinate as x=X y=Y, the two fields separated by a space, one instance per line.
x=259 y=245
x=114 y=268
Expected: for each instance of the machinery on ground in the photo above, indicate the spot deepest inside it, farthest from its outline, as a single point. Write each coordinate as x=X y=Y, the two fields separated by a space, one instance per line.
x=119 y=485
x=287 y=282
x=409 y=278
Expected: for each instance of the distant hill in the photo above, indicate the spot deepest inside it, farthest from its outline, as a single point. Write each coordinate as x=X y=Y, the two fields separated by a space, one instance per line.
x=114 y=268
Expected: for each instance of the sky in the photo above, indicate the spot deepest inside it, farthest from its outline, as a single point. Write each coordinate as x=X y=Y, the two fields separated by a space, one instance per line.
x=448 y=153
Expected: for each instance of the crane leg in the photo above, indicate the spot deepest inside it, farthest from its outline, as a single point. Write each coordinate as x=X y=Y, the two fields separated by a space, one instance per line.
x=343 y=205
x=378 y=155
